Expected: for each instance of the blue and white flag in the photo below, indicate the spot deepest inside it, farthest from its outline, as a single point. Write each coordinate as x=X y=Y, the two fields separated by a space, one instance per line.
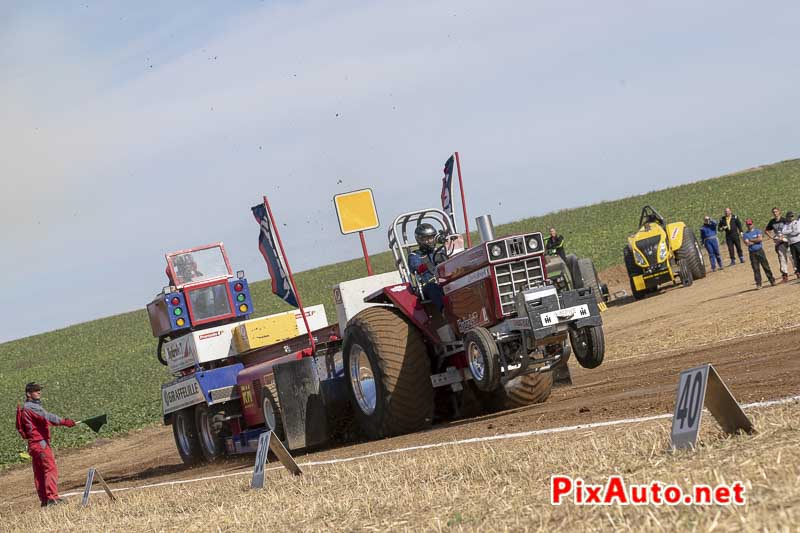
x=272 y=256
x=447 y=187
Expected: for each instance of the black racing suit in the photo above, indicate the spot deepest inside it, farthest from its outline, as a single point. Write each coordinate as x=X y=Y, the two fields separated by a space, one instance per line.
x=733 y=231
x=555 y=246
x=424 y=266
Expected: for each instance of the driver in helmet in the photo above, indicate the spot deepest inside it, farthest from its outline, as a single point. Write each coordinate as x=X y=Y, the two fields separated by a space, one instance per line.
x=186 y=268
x=423 y=262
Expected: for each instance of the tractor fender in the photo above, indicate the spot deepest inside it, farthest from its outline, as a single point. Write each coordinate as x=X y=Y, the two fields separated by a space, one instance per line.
x=675 y=234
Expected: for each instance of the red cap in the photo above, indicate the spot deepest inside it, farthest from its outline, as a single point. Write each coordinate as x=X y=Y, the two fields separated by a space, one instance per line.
x=749 y=221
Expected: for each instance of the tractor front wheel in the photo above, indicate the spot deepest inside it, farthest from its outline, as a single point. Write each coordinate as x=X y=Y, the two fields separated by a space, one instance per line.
x=633 y=270
x=483 y=358
x=589 y=345
x=187 y=440
x=388 y=373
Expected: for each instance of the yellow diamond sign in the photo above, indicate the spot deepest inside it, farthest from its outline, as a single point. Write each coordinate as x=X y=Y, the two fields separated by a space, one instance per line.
x=356 y=211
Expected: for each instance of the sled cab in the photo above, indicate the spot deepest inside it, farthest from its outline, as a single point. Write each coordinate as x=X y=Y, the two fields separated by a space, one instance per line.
x=202 y=291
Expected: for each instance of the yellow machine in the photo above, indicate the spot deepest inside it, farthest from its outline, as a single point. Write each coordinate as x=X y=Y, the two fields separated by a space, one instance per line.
x=660 y=253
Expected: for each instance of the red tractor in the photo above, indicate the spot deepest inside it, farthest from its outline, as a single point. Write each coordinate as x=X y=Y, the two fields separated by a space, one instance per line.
x=504 y=329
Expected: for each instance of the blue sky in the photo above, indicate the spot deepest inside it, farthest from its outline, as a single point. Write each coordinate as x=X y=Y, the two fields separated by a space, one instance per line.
x=131 y=129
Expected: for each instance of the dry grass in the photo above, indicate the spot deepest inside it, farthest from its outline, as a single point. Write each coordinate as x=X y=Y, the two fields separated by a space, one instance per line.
x=694 y=315
x=497 y=486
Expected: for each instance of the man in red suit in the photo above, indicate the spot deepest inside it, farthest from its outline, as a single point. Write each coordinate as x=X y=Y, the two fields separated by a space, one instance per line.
x=33 y=424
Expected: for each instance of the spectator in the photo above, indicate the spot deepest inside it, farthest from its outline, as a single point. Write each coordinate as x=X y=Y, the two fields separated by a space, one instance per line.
x=773 y=231
x=758 y=259
x=732 y=227
x=708 y=232
x=555 y=245
x=791 y=232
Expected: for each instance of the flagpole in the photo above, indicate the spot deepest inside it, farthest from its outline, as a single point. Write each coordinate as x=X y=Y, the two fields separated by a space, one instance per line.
x=463 y=201
x=291 y=277
x=366 y=253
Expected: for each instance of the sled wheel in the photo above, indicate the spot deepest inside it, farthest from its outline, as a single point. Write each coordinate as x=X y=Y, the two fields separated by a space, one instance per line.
x=208 y=422
x=186 y=438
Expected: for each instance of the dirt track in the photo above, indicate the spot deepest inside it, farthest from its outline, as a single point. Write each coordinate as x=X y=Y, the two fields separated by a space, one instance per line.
x=751 y=337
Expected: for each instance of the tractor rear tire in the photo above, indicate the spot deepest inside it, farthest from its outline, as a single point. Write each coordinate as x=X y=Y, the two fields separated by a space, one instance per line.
x=588 y=345
x=187 y=439
x=381 y=344
x=690 y=253
x=558 y=271
x=631 y=267
x=208 y=422
x=574 y=271
x=686 y=274
x=528 y=389
x=589 y=278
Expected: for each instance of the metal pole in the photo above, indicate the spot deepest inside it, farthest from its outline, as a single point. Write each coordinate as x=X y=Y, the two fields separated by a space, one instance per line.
x=463 y=201
x=366 y=254
x=291 y=277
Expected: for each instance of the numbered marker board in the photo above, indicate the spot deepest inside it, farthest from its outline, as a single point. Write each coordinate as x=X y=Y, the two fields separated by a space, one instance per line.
x=689 y=407
x=267 y=443
x=87 y=490
x=698 y=387
x=261 y=460
x=356 y=211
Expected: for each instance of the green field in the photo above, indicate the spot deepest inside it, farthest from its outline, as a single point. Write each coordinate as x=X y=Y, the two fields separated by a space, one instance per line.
x=109 y=365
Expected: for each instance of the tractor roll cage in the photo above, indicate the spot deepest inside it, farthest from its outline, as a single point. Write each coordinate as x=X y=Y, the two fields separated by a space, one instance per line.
x=400 y=245
x=649 y=214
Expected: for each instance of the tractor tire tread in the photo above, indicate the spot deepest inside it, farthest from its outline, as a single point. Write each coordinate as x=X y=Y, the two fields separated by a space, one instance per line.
x=528 y=389
x=405 y=368
x=690 y=252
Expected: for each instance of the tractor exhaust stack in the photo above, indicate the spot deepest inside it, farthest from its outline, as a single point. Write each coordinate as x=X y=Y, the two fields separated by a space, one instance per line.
x=485 y=227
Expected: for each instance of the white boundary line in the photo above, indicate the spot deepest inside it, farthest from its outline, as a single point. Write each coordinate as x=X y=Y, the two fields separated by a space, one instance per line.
x=504 y=436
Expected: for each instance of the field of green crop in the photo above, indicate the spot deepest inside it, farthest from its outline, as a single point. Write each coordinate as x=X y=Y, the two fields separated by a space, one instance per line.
x=109 y=365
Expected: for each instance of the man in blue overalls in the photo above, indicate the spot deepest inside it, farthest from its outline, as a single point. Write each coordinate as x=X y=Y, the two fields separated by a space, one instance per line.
x=423 y=263
x=758 y=259
x=708 y=233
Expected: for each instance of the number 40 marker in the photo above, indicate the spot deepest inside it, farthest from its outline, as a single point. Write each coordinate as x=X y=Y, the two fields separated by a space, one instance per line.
x=702 y=386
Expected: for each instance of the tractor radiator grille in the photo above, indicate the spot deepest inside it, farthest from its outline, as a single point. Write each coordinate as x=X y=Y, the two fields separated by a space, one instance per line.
x=649 y=247
x=517 y=277
x=516 y=246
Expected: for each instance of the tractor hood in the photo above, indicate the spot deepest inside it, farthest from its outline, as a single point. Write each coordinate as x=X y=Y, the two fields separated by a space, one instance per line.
x=649 y=246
